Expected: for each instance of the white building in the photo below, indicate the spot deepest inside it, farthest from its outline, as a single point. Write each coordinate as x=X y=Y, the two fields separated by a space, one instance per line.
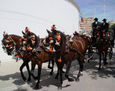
x=38 y=15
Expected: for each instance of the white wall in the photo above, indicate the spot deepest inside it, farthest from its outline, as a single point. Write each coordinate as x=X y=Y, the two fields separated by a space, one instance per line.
x=38 y=15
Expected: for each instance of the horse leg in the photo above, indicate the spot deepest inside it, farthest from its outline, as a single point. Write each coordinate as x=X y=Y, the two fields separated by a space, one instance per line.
x=99 y=61
x=21 y=68
x=89 y=52
x=51 y=73
x=49 y=65
x=38 y=78
x=60 y=73
x=80 y=68
x=56 y=77
x=32 y=69
x=67 y=71
x=105 y=59
x=28 y=69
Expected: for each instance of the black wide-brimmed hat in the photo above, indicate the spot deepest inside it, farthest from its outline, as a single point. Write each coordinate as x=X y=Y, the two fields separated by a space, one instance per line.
x=96 y=19
x=104 y=19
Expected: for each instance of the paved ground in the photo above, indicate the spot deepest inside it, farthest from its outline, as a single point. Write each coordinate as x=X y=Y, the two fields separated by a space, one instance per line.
x=92 y=79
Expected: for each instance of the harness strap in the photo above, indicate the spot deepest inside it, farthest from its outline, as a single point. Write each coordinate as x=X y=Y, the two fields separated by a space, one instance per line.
x=12 y=40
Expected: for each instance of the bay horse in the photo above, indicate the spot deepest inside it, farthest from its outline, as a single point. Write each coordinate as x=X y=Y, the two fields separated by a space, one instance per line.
x=39 y=58
x=102 y=45
x=77 y=50
x=59 y=44
x=12 y=43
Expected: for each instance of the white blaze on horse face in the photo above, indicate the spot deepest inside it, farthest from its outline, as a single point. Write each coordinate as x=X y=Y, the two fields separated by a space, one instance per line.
x=10 y=47
x=44 y=41
x=54 y=50
x=57 y=43
x=48 y=47
x=51 y=41
x=71 y=40
x=24 y=42
x=23 y=48
x=7 y=45
x=30 y=48
x=34 y=50
x=7 y=41
x=33 y=42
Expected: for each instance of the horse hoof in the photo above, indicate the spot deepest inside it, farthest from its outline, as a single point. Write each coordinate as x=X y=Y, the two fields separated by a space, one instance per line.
x=56 y=77
x=51 y=73
x=77 y=79
x=60 y=87
x=63 y=71
x=99 y=69
x=36 y=87
x=24 y=78
x=70 y=79
x=106 y=63
x=50 y=67
x=29 y=80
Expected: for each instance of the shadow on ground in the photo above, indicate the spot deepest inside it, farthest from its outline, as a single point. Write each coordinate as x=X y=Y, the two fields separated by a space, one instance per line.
x=47 y=80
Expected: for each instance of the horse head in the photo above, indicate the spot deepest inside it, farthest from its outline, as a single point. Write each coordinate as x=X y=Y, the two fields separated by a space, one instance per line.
x=7 y=44
x=10 y=43
x=57 y=39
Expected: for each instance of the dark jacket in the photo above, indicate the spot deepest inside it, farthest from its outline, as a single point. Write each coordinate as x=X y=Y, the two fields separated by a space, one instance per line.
x=105 y=26
x=95 y=27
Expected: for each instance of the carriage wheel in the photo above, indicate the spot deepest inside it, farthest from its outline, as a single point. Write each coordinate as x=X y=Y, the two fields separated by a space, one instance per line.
x=90 y=54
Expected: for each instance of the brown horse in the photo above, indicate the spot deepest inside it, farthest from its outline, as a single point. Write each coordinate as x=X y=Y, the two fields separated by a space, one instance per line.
x=102 y=45
x=12 y=43
x=59 y=44
x=39 y=59
x=77 y=50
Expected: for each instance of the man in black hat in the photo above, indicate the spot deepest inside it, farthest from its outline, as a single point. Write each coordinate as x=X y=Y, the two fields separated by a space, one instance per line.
x=105 y=25
x=95 y=25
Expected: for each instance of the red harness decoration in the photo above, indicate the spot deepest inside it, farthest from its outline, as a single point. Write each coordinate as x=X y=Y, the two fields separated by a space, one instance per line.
x=51 y=49
x=58 y=37
x=28 y=48
x=17 y=56
x=59 y=60
x=53 y=28
x=33 y=38
x=25 y=39
x=10 y=45
x=50 y=38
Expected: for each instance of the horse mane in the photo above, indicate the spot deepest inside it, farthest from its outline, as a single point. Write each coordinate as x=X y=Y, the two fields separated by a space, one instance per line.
x=13 y=35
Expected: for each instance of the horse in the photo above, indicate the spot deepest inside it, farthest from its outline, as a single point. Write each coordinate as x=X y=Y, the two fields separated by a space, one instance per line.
x=43 y=56
x=102 y=45
x=12 y=43
x=77 y=50
x=59 y=44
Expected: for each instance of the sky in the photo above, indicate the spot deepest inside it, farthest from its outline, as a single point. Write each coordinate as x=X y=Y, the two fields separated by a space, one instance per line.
x=95 y=8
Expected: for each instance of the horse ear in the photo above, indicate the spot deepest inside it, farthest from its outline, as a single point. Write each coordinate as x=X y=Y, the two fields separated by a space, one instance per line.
x=4 y=33
x=23 y=33
x=48 y=31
